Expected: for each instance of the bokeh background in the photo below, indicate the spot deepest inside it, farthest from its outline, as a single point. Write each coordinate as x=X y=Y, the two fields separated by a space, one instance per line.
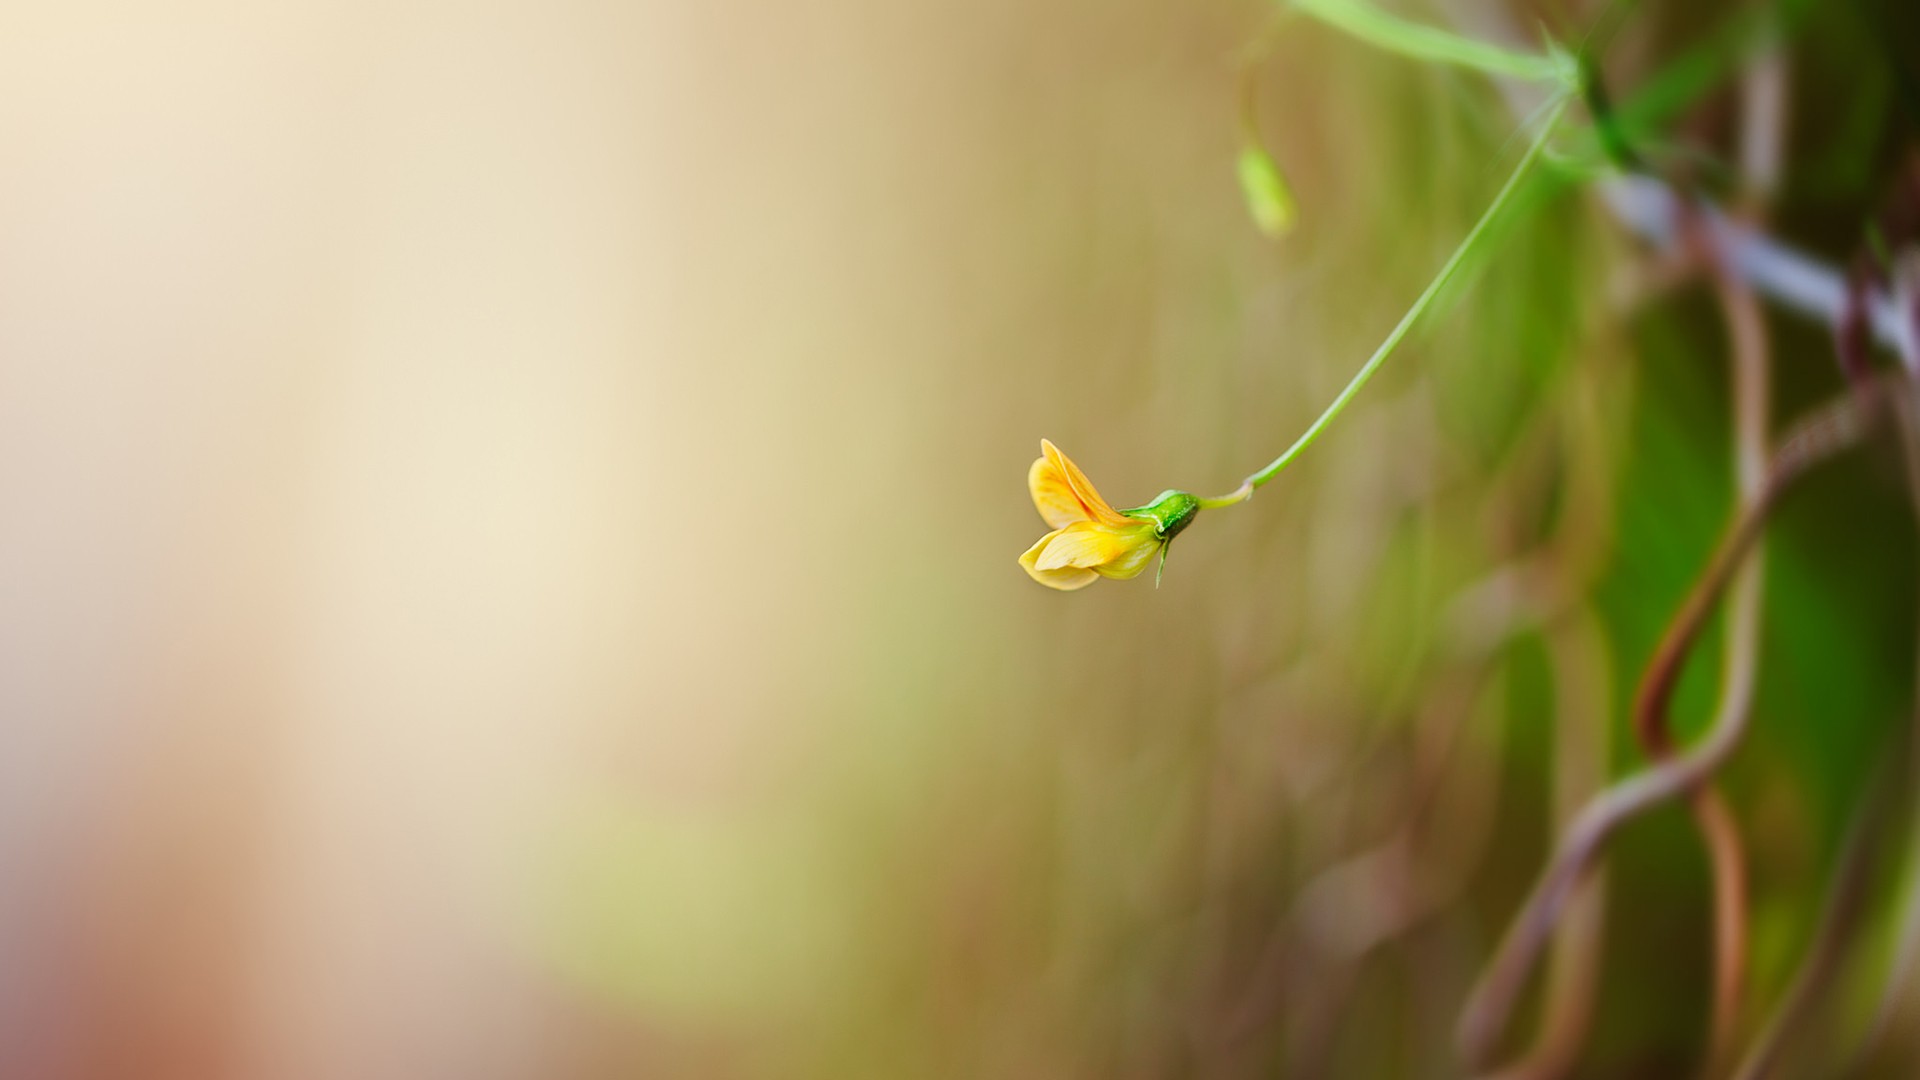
x=508 y=516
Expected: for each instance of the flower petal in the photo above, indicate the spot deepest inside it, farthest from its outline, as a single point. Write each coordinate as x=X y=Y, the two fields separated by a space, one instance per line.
x=1098 y=509
x=1053 y=496
x=1090 y=544
x=1064 y=578
x=1130 y=562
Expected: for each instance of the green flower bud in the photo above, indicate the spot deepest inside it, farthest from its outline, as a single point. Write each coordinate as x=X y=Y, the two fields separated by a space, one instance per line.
x=1170 y=513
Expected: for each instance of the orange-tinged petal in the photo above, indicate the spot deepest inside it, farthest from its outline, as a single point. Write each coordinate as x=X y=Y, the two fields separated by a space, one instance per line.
x=1053 y=496
x=1097 y=508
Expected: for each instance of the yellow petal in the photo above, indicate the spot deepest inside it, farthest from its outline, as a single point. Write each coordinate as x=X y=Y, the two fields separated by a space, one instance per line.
x=1032 y=554
x=1065 y=578
x=1129 y=563
x=1083 y=543
x=1090 y=544
x=1052 y=496
x=1096 y=507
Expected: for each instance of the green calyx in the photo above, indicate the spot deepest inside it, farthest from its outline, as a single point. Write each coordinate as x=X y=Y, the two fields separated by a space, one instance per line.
x=1170 y=513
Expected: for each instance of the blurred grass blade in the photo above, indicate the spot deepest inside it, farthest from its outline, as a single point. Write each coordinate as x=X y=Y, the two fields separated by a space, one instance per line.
x=1269 y=198
x=1395 y=34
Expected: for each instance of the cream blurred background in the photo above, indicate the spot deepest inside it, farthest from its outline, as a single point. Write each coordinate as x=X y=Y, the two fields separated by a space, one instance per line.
x=510 y=515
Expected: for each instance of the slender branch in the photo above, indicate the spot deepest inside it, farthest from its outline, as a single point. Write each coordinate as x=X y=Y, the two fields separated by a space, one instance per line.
x=1795 y=281
x=1762 y=132
x=1727 y=861
x=1719 y=830
x=1835 y=427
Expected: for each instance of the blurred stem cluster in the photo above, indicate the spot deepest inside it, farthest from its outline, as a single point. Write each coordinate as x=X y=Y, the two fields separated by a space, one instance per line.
x=1876 y=301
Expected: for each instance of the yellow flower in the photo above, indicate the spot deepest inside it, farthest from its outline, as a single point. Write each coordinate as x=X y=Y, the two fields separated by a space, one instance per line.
x=1090 y=539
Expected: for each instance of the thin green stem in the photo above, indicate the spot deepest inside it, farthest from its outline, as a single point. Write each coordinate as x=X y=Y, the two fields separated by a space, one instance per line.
x=1394 y=34
x=1399 y=332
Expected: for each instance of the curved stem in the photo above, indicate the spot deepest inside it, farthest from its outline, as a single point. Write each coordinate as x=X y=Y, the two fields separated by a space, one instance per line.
x=1727 y=862
x=1713 y=816
x=1239 y=494
x=1399 y=332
